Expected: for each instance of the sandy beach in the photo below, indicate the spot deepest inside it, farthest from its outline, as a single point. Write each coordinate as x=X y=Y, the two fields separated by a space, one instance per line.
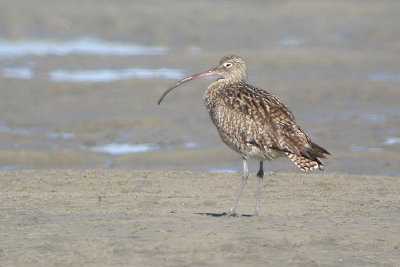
x=149 y=218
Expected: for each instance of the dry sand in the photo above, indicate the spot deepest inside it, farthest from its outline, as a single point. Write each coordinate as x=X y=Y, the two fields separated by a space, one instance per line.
x=149 y=218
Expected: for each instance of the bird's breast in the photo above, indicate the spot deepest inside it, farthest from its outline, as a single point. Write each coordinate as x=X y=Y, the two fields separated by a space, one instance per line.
x=211 y=96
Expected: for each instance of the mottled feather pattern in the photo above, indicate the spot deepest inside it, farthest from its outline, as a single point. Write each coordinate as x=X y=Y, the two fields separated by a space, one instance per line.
x=257 y=124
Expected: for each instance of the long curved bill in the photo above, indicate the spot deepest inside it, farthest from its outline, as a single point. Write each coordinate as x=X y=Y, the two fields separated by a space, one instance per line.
x=211 y=72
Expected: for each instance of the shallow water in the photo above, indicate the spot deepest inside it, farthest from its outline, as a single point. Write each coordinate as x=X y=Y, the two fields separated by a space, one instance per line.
x=382 y=77
x=18 y=73
x=121 y=149
x=78 y=101
x=113 y=75
x=82 y=46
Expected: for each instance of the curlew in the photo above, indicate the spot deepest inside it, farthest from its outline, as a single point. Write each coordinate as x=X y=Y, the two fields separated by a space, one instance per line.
x=254 y=123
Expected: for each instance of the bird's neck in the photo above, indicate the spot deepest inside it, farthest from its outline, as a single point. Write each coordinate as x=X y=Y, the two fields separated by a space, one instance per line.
x=224 y=83
x=214 y=90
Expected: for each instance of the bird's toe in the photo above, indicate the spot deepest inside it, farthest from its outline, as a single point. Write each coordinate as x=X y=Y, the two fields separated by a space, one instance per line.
x=231 y=214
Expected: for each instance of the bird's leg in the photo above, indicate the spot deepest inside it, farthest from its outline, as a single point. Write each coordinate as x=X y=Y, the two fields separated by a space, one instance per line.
x=260 y=176
x=244 y=179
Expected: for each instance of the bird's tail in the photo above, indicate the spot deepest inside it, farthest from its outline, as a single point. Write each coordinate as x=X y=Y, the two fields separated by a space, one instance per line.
x=310 y=159
x=306 y=164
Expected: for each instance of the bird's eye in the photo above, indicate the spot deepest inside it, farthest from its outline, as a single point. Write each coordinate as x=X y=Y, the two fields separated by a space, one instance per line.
x=227 y=65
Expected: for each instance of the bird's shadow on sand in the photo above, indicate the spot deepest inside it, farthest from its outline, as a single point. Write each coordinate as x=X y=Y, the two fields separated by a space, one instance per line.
x=223 y=214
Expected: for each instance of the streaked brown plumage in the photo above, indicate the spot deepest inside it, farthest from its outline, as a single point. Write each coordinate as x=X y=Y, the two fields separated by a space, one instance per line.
x=253 y=122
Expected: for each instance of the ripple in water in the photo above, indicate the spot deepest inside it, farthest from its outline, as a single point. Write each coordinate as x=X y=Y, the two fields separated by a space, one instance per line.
x=18 y=73
x=126 y=148
x=122 y=149
x=392 y=141
x=385 y=77
x=366 y=149
x=107 y=75
x=83 y=46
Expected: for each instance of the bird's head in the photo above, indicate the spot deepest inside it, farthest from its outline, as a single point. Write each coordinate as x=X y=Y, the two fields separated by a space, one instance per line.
x=231 y=69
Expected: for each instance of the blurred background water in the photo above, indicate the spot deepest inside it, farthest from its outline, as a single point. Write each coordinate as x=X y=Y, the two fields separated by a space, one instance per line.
x=79 y=80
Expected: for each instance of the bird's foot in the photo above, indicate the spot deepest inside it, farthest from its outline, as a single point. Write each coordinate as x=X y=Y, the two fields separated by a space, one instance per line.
x=231 y=214
x=255 y=214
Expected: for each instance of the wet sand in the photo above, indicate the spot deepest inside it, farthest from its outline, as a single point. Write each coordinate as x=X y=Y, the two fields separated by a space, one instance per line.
x=334 y=64
x=149 y=218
